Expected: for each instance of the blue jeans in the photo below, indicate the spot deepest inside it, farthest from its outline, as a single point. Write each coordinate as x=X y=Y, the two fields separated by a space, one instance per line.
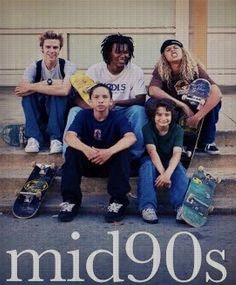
x=208 y=132
x=136 y=116
x=147 y=191
x=45 y=116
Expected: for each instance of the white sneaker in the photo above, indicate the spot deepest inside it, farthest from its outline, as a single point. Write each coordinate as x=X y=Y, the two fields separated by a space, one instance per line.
x=149 y=216
x=56 y=146
x=32 y=145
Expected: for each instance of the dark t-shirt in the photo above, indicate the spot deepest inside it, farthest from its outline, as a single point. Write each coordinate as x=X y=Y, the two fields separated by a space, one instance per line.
x=176 y=83
x=164 y=144
x=100 y=134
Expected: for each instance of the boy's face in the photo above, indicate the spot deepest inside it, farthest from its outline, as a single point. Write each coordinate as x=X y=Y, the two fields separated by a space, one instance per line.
x=100 y=99
x=119 y=55
x=173 y=53
x=51 y=50
x=162 y=117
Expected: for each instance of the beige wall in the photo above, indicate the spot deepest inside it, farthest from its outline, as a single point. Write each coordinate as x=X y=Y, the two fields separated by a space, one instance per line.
x=85 y=23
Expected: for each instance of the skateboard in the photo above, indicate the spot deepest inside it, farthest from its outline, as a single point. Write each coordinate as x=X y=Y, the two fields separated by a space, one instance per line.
x=30 y=197
x=81 y=83
x=198 y=201
x=14 y=135
x=195 y=95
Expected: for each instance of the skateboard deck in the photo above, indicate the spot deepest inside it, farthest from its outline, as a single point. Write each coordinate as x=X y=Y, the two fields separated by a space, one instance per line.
x=198 y=201
x=81 y=83
x=13 y=134
x=195 y=95
x=30 y=197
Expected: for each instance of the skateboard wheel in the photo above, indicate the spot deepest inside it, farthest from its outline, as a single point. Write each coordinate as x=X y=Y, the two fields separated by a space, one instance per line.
x=38 y=194
x=189 y=153
x=33 y=164
x=218 y=180
x=184 y=97
x=211 y=209
x=201 y=168
x=53 y=165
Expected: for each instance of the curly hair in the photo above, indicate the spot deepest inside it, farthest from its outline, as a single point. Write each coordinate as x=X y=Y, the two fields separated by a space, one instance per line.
x=188 y=68
x=120 y=40
x=50 y=35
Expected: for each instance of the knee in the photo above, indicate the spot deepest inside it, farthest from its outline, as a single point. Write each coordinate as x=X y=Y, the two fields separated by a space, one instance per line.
x=72 y=113
x=137 y=114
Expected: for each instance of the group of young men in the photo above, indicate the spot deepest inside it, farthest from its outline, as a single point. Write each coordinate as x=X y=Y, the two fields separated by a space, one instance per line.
x=105 y=137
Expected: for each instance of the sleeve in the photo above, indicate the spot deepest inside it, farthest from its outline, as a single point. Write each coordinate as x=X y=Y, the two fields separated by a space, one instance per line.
x=76 y=125
x=30 y=73
x=70 y=69
x=203 y=74
x=139 y=87
x=156 y=79
x=147 y=134
x=179 y=136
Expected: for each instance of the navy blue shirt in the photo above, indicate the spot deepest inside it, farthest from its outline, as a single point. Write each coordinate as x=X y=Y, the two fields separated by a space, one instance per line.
x=100 y=134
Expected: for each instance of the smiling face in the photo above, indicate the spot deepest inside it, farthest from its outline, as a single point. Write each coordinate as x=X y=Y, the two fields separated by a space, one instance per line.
x=119 y=55
x=173 y=54
x=162 y=118
x=51 y=49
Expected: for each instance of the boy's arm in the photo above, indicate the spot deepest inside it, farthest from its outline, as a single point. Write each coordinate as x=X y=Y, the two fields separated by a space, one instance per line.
x=151 y=149
x=58 y=88
x=72 y=140
x=102 y=155
x=174 y=161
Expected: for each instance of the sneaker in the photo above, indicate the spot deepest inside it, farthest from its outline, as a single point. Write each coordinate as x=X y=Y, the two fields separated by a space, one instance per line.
x=115 y=211
x=68 y=212
x=179 y=218
x=211 y=148
x=32 y=145
x=55 y=147
x=149 y=216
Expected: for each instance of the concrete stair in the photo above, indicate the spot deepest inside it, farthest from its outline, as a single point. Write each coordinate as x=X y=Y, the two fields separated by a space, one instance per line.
x=16 y=166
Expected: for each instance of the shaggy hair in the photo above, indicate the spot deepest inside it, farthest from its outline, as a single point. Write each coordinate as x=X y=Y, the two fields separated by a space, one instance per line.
x=120 y=40
x=50 y=35
x=188 y=68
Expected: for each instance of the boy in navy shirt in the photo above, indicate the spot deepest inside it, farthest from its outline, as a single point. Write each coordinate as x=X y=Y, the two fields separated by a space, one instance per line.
x=99 y=141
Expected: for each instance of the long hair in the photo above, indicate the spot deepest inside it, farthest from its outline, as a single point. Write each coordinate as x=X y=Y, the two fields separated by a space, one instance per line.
x=50 y=35
x=188 y=68
x=120 y=40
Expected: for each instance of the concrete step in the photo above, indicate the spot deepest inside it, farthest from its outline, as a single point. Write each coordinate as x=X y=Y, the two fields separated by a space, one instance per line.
x=95 y=188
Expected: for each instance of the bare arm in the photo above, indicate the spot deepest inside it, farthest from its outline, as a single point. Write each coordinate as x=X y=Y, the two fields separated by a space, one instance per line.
x=103 y=155
x=58 y=88
x=212 y=101
x=151 y=149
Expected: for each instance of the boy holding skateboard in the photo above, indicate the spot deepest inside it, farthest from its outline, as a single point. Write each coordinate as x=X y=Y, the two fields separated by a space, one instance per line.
x=44 y=91
x=98 y=145
x=161 y=168
x=177 y=67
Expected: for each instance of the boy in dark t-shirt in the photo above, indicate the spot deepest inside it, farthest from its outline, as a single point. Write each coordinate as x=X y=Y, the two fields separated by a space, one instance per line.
x=99 y=141
x=161 y=168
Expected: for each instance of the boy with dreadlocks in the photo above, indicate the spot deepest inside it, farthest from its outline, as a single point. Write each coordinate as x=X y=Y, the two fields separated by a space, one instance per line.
x=177 y=65
x=126 y=81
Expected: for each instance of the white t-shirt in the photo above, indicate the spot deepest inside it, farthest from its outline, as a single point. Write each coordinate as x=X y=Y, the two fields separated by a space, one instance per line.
x=55 y=73
x=126 y=85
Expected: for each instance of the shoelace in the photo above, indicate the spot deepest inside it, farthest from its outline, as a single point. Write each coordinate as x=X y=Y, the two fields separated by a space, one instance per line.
x=114 y=207
x=149 y=211
x=66 y=207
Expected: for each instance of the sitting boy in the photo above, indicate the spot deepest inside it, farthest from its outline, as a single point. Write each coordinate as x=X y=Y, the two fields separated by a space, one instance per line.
x=98 y=145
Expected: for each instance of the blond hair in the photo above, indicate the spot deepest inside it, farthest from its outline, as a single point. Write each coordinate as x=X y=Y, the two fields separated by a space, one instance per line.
x=188 y=68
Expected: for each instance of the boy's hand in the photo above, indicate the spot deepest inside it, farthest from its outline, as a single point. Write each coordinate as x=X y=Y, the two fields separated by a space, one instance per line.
x=23 y=89
x=163 y=181
x=101 y=156
x=90 y=153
